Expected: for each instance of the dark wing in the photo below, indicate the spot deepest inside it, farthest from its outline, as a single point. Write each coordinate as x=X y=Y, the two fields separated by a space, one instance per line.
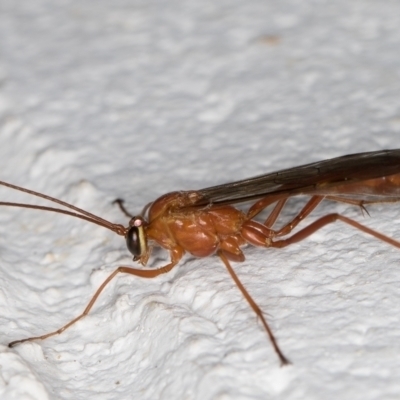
x=305 y=179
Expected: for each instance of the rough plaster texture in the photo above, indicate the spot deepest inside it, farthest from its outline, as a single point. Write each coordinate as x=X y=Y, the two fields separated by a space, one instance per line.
x=133 y=99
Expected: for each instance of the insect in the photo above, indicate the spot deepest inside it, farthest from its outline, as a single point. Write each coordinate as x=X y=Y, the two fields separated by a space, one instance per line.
x=205 y=222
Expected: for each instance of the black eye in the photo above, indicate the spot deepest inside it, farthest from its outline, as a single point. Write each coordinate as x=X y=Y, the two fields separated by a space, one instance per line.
x=133 y=241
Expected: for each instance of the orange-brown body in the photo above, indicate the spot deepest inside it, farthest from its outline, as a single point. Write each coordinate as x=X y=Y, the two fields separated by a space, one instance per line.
x=177 y=226
x=205 y=222
x=200 y=232
x=384 y=186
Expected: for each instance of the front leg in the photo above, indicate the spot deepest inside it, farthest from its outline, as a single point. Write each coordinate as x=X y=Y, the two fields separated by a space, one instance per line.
x=176 y=254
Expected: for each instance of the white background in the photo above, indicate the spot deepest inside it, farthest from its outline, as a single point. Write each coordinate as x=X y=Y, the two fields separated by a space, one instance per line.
x=133 y=99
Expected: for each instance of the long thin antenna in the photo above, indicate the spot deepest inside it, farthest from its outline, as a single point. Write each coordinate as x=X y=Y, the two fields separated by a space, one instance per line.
x=80 y=213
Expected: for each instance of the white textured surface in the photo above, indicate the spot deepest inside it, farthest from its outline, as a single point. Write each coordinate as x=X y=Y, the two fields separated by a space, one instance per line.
x=132 y=99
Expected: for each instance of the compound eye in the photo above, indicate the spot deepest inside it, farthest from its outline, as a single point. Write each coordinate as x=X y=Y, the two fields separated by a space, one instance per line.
x=133 y=241
x=136 y=238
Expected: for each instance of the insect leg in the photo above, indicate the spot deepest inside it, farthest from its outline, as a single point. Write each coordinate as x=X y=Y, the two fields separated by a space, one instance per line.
x=273 y=216
x=361 y=203
x=328 y=219
x=261 y=204
x=353 y=202
x=176 y=255
x=307 y=209
x=312 y=204
x=254 y=306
